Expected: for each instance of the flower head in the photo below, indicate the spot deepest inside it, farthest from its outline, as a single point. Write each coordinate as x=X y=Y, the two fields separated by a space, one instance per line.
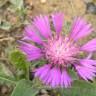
x=60 y=51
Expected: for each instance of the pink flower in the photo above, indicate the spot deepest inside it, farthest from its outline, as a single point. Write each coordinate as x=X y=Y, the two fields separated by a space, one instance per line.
x=59 y=50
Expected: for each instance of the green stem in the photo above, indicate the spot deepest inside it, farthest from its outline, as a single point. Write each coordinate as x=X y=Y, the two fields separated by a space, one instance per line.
x=27 y=71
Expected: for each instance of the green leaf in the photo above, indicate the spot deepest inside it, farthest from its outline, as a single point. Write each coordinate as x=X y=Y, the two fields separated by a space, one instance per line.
x=83 y=84
x=24 y=88
x=80 y=88
x=5 y=25
x=39 y=62
x=67 y=26
x=17 y=3
x=73 y=74
x=7 y=79
x=5 y=75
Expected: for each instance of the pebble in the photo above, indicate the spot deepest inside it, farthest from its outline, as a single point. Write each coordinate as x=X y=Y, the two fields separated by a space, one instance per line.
x=43 y=1
x=91 y=8
x=88 y=1
x=4 y=90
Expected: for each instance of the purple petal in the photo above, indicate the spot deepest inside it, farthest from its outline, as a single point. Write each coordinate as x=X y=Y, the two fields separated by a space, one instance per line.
x=42 y=71
x=31 y=51
x=85 y=72
x=53 y=77
x=58 y=21
x=89 y=55
x=90 y=46
x=88 y=63
x=42 y=23
x=65 y=79
x=31 y=34
x=80 y=29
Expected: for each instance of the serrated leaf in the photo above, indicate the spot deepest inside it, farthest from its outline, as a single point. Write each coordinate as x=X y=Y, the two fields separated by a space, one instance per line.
x=24 y=88
x=18 y=59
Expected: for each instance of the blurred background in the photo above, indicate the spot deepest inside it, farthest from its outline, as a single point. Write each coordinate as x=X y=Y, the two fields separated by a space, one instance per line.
x=15 y=14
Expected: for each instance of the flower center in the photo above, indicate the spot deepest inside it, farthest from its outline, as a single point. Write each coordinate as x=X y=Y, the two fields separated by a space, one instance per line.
x=60 y=51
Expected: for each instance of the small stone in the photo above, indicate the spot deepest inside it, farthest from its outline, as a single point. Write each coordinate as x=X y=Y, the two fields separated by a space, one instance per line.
x=91 y=8
x=43 y=1
x=88 y=1
x=4 y=90
x=44 y=91
x=29 y=2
